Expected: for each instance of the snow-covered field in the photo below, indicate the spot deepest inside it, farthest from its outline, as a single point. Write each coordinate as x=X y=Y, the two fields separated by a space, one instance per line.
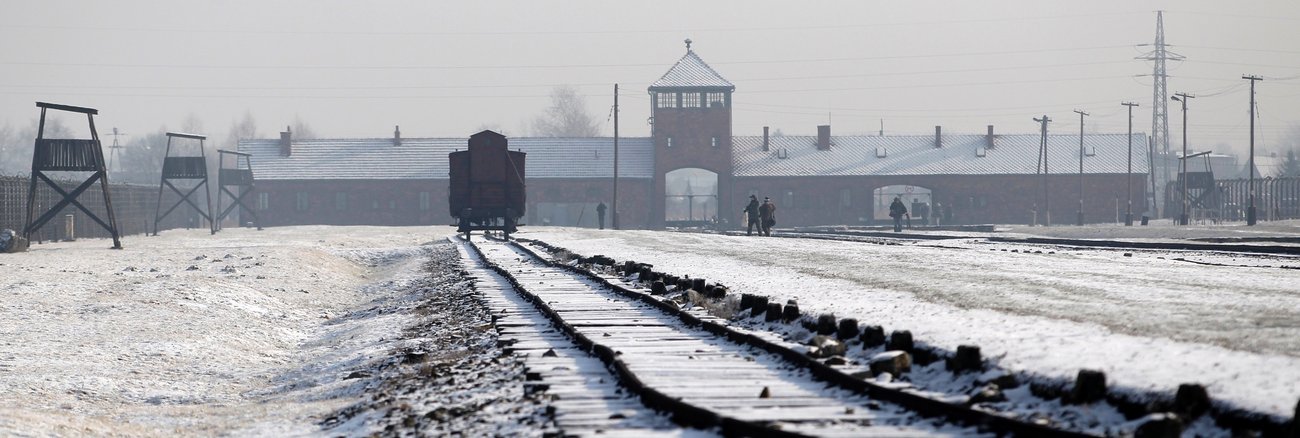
x=244 y=333
x=346 y=330
x=1149 y=321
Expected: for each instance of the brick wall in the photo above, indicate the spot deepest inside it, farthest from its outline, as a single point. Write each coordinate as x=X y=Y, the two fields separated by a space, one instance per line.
x=973 y=198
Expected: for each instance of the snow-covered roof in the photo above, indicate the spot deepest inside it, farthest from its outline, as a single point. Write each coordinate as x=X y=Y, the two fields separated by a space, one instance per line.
x=1265 y=166
x=691 y=72
x=961 y=154
x=426 y=158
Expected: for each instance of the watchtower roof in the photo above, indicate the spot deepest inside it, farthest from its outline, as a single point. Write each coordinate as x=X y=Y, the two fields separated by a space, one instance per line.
x=691 y=72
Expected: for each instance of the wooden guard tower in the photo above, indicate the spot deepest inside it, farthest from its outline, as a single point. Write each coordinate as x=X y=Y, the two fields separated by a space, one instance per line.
x=69 y=155
x=241 y=178
x=180 y=167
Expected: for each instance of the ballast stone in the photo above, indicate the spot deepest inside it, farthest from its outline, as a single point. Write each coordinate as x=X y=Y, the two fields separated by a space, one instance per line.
x=894 y=362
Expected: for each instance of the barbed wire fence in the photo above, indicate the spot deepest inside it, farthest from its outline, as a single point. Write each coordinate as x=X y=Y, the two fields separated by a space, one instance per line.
x=133 y=204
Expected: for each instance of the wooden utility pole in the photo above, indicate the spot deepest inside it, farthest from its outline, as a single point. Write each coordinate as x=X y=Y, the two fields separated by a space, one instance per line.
x=1081 y=114
x=1250 y=211
x=1128 y=177
x=1182 y=98
x=1042 y=152
x=615 y=217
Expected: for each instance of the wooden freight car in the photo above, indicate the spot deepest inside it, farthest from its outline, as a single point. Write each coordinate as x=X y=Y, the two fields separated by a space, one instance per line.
x=487 y=185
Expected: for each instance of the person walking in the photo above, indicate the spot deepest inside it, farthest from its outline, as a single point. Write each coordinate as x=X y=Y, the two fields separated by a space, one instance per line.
x=751 y=216
x=600 y=214
x=896 y=211
x=767 y=214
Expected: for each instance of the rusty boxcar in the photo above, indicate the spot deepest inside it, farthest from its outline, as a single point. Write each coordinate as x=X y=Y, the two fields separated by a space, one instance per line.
x=487 y=185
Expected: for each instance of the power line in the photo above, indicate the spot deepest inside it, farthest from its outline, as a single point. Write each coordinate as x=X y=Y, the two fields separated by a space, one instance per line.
x=1253 y=17
x=591 y=84
x=537 y=66
x=1236 y=49
x=802 y=27
x=793 y=90
x=966 y=84
x=966 y=70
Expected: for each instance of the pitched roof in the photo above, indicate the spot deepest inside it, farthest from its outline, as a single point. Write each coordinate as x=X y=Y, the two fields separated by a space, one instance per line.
x=1265 y=166
x=426 y=158
x=691 y=71
x=916 y=155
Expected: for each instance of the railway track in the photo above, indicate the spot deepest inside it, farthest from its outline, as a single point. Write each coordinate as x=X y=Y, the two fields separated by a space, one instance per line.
x=1270 y=247
x=694 y=370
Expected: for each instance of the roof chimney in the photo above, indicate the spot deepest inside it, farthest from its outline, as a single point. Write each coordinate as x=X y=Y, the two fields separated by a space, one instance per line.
x=938 y=136
x=767 y=144
x=990 y=140
x=397 y=135
x=286 y=142
x=823 y=137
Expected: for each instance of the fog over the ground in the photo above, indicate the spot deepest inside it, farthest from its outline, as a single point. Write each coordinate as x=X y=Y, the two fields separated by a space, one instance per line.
x=356 y=69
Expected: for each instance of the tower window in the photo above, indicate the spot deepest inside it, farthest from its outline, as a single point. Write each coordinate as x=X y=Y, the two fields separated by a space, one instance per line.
x=666 y=100
x=263 y=201
x=425 y=201
x=670 y=141
x=714 y=143
x=301 y=201
x=716 y=100
x=690 y=100
x=787 y=199
x=340 y=201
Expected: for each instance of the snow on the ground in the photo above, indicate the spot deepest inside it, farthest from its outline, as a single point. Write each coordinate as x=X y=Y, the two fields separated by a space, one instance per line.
x=1150 y=322
x=245 y=332
x=1163 y=230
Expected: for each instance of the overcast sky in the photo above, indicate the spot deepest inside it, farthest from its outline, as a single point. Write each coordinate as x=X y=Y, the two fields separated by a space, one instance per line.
x=356 y=69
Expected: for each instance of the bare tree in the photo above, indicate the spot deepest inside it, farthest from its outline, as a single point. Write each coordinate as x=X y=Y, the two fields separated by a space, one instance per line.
x=1291 y=167
x=567 y=116
x=243 y=129
x=301 y=130
x=17 y=144
x=9 y=146
x=1291 y=142
x=192 y=125
x=141 y=158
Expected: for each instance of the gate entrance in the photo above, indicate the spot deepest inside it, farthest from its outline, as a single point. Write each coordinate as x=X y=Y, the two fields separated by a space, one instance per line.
x=690 y=197
x=918 y=200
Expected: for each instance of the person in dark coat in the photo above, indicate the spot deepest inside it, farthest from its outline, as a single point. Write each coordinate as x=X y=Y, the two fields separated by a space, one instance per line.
x=751 y=216
x=767 y=214
x=600 y=214
x=896 y=211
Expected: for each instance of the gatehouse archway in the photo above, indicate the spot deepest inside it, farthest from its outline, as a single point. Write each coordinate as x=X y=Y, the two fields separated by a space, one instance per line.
x=690 y=197
x=918 y=200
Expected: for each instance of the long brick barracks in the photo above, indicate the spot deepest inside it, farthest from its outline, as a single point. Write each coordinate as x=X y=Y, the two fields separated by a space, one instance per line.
x=694 y=170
